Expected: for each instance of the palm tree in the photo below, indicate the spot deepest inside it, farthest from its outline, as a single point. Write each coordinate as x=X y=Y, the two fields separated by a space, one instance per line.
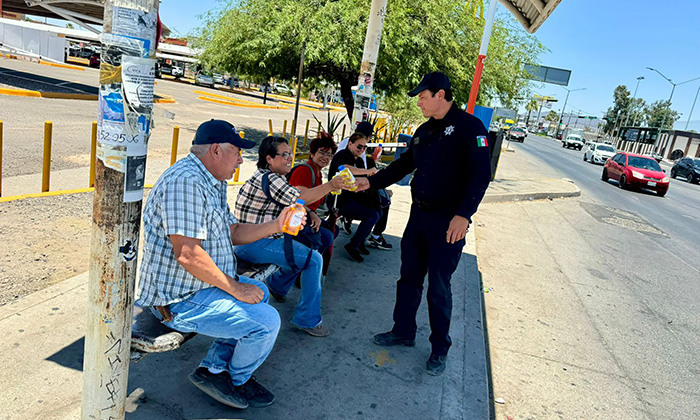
x=531 y=106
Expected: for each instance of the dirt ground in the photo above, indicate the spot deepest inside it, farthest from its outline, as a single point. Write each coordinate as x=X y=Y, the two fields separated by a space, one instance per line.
x=44 y=241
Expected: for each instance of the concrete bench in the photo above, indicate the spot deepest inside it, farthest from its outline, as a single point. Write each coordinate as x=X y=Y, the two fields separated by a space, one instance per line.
x=149 y=335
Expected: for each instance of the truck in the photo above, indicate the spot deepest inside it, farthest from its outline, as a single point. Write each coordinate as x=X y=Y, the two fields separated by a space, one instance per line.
x=572 y=138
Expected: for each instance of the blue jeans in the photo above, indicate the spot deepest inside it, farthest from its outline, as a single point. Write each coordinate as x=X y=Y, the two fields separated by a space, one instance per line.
x=368 y=217
x=271 y=251
x=327 y=237
x=244 y=332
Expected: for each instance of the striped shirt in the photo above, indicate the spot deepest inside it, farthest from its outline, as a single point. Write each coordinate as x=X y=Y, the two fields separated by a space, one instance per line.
x=253 y=206
x=187 y=200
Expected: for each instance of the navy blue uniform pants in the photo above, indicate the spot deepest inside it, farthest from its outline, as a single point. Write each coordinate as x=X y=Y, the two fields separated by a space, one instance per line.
x=425 y=250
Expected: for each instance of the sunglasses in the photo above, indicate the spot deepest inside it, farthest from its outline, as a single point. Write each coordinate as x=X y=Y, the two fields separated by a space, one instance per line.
x=361 y=147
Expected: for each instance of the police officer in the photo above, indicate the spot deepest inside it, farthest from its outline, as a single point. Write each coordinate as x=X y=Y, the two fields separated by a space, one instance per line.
x=451 y=159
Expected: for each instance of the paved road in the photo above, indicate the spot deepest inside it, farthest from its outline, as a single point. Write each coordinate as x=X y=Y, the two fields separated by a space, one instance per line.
x=677 y=214
x=633 y=261
x=23 y=118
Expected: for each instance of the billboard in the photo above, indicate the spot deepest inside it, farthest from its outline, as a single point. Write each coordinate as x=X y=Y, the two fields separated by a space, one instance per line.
x=548 y=74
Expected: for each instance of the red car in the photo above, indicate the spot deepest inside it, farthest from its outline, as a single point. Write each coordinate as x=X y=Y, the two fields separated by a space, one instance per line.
x=636 y=171
x=95 y=60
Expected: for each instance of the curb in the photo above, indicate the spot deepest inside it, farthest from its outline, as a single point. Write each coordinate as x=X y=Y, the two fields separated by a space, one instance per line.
x=502 y=198
x=65 y=66
x=165 y=99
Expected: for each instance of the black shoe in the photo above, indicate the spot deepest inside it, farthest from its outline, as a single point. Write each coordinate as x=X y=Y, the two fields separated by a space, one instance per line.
x=363 y=249
x=256 y=394
x=219 y=387
x=389 y=339
x=346 y=225
x=380 y=243
x=279 y=298
x=435 y=365
x=353 y=253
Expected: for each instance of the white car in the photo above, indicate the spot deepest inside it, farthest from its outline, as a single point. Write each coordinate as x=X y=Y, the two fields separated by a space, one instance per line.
x=598 y=153
x=573 y=141
x=177 y=71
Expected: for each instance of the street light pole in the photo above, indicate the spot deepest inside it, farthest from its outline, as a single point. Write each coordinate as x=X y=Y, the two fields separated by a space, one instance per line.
x=670 y=98
x=691 y=109
x=561 y=119
x=634 y=96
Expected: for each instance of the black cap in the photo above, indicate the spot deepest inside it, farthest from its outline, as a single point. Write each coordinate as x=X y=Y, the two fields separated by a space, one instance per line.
x=434 y=80
x=220 y=131
x=365 y=127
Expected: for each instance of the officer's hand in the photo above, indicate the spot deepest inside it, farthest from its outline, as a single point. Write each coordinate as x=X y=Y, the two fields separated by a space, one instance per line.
x=315 y=221
x=362 y=184
x=247 y=293
x=458 y=229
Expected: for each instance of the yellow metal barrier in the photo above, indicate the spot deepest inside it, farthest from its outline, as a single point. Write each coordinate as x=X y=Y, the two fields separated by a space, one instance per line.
x=293 y=130
x=93 y=153
x=294 y=151
x=46 y=173
x=237 y=173
x=270 y=122
x=176 y=140
x=0 y=158
x=284 y=129
x=306 y=132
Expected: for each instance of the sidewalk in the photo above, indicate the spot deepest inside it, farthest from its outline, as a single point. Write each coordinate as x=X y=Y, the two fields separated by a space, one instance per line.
x=342 y=376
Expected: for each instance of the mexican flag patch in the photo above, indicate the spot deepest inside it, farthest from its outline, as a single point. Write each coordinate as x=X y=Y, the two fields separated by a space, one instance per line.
x=481 y=141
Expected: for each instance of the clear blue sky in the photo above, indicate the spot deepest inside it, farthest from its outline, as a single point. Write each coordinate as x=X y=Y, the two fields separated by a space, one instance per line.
x=604 y=43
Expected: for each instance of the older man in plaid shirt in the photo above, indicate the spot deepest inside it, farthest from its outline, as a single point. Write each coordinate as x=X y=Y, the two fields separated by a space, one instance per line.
x=189 y=269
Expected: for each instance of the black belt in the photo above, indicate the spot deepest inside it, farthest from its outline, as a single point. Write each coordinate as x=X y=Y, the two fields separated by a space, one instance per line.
x=435 y=205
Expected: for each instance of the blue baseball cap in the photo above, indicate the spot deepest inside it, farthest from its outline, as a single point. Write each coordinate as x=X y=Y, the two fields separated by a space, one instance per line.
x=435 y=80
x=220 y=131
x=365 y=127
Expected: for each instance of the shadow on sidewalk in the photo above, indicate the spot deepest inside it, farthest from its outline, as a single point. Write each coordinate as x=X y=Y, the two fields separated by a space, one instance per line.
x=344 y=375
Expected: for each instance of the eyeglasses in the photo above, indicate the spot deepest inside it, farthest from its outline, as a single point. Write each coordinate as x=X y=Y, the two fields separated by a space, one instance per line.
x=361 y=147
x=285 y=155
x=326 y=154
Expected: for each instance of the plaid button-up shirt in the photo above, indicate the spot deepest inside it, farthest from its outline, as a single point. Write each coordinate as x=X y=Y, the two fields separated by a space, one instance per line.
x=187 y=200
x=253 y=206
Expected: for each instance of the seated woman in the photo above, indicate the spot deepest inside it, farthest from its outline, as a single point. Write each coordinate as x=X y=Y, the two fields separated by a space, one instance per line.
x=308 y=175
x=254 y=206
x=363 y=206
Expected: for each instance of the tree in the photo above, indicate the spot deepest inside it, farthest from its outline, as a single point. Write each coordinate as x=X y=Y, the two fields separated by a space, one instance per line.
x=654 y=115
x=262 y=39
x=552 y=117
x=531 y=107
x=615 y=115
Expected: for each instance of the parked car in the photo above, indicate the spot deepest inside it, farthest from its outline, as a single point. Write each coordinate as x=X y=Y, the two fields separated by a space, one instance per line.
x=688 y=168
x=234 y=82
x=573 y=141
x=657 y=157
x=177 y=71
x=159 y=70
x=283 y=89
x=517 y=134
x=95 y=60
x=219 y=78
x=203 y=79
x=166 y=69
x=636 y=171
x=598 y=153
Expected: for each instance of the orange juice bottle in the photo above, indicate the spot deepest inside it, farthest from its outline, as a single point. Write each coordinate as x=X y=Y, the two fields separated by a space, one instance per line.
x=292 y=224
x=344 y=173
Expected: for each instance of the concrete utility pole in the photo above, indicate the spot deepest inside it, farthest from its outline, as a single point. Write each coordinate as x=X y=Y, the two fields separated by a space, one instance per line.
x=365 y=82
x=127 y=73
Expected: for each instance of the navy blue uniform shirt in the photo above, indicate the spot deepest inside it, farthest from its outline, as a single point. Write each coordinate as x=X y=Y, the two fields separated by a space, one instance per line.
x=452 y=164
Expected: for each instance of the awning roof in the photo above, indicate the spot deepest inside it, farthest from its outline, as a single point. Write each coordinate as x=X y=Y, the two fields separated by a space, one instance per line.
x=531 y=13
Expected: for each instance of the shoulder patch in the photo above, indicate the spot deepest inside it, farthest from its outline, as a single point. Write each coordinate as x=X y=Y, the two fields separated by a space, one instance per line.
x=481 y=141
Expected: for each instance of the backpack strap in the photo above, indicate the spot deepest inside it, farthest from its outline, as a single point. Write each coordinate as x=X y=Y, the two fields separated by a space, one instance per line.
x=288 y=239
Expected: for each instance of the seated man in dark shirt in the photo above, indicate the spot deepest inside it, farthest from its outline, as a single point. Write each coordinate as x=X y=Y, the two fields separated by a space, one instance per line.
x=362 y=206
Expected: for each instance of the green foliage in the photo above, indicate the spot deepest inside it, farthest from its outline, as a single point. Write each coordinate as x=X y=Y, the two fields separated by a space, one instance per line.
x=332 y=123
x=660 y=112
x=262 y=39
x=552 y=117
